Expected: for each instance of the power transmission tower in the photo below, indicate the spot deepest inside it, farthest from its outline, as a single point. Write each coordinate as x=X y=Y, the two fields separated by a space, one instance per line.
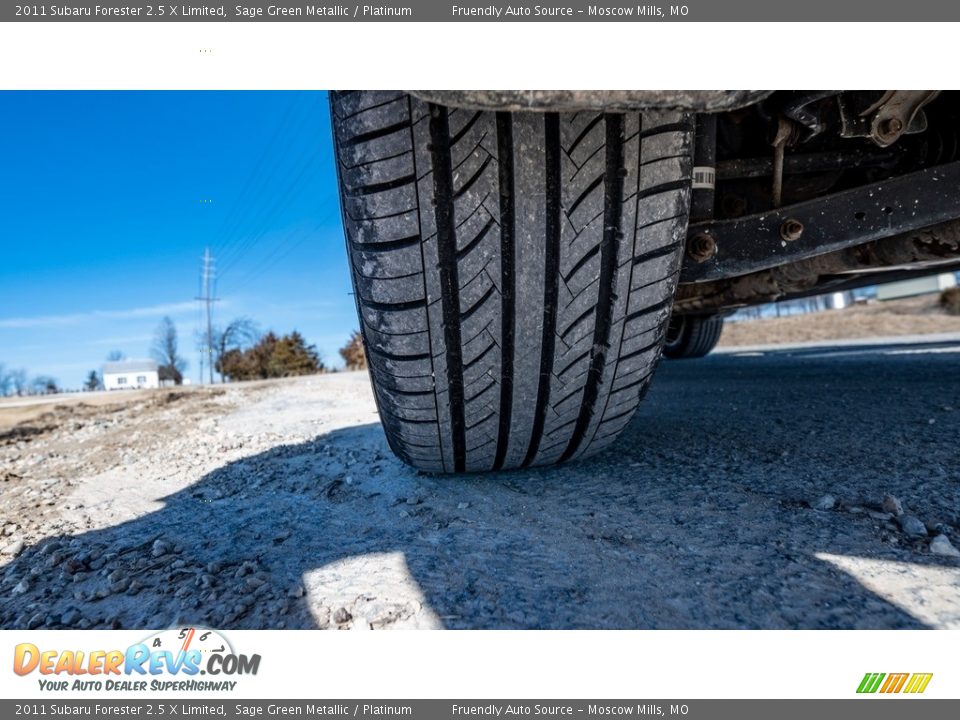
x=206 y=297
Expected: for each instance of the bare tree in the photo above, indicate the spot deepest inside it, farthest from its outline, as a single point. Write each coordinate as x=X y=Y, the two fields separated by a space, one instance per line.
x=93 y=382
x=4 y=380
x=44 y=385
x=165 y=352
x=18 y=381
x=116 y=356
x=239 y=334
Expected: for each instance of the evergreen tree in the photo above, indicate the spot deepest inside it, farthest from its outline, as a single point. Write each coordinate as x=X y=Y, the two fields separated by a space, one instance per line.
x=92 y=382
x=272 y=357
x=352 y=353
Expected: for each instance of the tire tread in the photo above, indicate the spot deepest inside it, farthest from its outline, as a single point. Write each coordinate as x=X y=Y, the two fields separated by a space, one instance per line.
x=513 y=272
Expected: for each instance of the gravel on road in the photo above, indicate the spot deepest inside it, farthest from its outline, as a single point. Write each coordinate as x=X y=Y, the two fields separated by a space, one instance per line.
x=815 y=488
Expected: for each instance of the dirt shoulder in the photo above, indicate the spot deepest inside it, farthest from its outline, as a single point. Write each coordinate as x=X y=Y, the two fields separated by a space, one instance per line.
x=908 y=316
x=46 y=409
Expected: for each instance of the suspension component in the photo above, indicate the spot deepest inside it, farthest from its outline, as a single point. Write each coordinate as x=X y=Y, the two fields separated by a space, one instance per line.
x=896 y=113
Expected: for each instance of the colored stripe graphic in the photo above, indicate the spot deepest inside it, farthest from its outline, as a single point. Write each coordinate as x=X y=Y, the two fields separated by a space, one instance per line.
x=870 y=682
x=895 y=683
x=918 y=682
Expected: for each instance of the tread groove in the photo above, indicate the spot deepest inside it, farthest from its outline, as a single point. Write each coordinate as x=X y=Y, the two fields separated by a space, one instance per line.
x=609 y=251
x=473 y=178
x=388 y=306
x=375 y=134
x=477 y=359
x=372 y=162
x=360 y=273
x=466 y=128
x=507 y=282
x=482 y=331
x=583 y=316
x=623 y=327
x=385 y=246
x=367 y=109
x=632 y=384
x=395 y=356
x=482 y=420
x=374 y=188
x=423 y=265
x=662 y=188
x=406 y=393
x=477 y=305
x=470 y=154
x=573 y=362
x=641 y=351
x=583 y=133
x=473 y=243
x=583 y=196
x=685 y=127
x=551 y=280
x=649 y=309
x=581 y=262
x=447 y=251
x=658 y=253
x=478 y=393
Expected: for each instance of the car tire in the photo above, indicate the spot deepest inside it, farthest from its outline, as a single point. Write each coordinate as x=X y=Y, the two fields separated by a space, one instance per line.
x=514 y=272
x=692 y=336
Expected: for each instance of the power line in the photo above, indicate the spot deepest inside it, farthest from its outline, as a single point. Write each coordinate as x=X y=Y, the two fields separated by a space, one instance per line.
x=287 y=245
x=295 y=240
x=250 y=221
x=304 y=173
x=241 y=232
x=241 y=206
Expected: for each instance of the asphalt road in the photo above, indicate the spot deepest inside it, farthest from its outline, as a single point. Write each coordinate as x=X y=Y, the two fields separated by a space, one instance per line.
x=282 y=507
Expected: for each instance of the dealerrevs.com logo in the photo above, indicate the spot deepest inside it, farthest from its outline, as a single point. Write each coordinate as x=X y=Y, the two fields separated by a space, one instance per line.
x=911 y=683
x=182 y=654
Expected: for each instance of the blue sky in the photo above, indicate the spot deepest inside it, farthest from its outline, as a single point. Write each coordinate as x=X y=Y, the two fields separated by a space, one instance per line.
x=108 y=200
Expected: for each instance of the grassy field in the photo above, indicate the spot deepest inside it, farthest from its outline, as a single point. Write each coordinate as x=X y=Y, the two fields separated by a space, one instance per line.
x=909 y=316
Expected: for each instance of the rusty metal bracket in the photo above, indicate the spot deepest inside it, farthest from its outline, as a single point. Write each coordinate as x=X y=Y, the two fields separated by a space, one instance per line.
x=896 y=113
x=852 y=217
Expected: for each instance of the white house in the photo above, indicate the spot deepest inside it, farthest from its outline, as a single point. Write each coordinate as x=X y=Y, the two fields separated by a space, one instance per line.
x=130 y=375
x=916 y=286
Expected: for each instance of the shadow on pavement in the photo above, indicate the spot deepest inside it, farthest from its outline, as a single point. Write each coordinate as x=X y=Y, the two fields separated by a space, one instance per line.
x=700 y=518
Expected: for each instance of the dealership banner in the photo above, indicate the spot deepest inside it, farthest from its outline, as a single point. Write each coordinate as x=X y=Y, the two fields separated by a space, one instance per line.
x=626 y=673
x=480 y=11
